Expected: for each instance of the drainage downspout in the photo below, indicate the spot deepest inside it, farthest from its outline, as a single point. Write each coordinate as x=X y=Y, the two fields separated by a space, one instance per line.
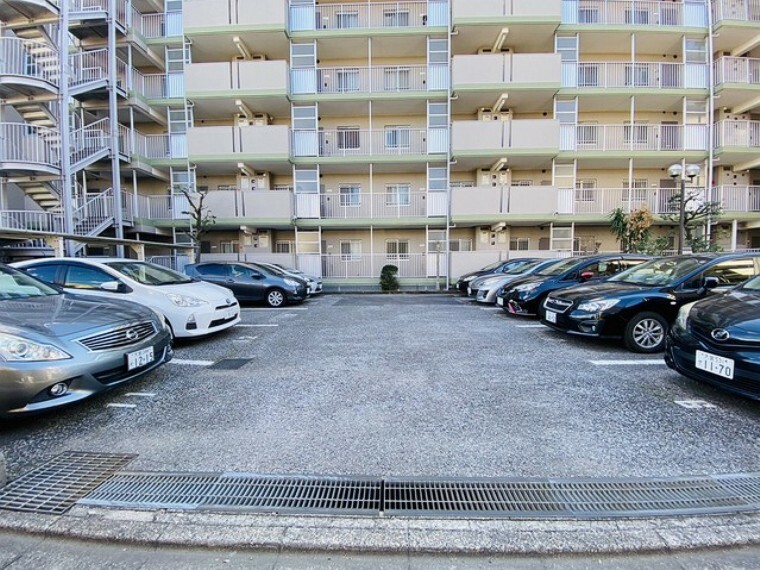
x=710 y=109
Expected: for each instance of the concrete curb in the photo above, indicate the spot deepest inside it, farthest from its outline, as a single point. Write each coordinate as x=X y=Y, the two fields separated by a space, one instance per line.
x=390 y=535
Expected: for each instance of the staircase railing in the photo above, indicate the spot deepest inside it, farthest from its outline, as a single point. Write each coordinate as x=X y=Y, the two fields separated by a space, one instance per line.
x=27 y=58
x=88 y=66
x=90 y=140
x=95 y=215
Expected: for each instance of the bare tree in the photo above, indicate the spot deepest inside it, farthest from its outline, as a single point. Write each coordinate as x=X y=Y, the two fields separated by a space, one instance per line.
x=201 y=219
x=698 y=213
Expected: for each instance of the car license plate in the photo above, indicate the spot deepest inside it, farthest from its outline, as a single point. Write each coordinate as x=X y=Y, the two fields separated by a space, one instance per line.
x=500 y=301
x=551 y=317
x=715 y=364
x=139 y=358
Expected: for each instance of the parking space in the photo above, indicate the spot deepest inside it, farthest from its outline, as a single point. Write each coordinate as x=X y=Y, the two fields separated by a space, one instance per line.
x=407 y=385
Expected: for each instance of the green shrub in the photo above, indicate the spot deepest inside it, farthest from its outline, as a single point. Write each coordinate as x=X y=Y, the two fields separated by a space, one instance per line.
x=388 y=279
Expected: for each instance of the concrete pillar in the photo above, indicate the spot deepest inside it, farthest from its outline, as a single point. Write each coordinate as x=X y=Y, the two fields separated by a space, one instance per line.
x=734 y=234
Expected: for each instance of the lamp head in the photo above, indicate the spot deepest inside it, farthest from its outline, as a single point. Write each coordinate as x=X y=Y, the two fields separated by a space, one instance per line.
x=692 y=170
x=675 y=171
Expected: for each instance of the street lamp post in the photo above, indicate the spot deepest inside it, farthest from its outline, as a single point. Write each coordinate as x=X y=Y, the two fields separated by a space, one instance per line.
x=681 y=173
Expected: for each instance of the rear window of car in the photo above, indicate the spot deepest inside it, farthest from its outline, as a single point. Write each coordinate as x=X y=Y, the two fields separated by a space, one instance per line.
x=212 y=269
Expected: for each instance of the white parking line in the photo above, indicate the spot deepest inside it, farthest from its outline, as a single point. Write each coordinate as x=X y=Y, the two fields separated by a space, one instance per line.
x=244 y=338
x=140 y=394
x=695 y=404
x=120 y=406
x=246 y=310
x=254 y=326
x=530 y=326
x=627 y=362
x=191 y=362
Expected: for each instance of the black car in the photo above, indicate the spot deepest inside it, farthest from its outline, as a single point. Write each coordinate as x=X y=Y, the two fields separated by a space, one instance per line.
x=717 y=340
x=251 y=282
x=639 y=305
x=498 y=267
x=526 y=296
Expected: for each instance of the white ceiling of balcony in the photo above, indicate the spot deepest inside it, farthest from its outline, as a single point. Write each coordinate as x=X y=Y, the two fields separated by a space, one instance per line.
x=209 y=48
x=530 y=38
x=529 y=101
x=215 y=109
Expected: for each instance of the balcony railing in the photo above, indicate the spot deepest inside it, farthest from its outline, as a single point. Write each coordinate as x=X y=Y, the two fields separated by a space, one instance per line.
x=31 y=144
x=159 y=85
x=38 y=221
x=636 y=137
x=745 y=10
x=602 y=201
x=634 y=75
x=350 y=80
x=369 y=15
x=358 y=265
x=26 y=58
x=345 y=143
x=83 y=8
x=737 y=198
x=347 y=206
x=634 y=12
x=90 y=140
x=743 y=70
x=742 y=134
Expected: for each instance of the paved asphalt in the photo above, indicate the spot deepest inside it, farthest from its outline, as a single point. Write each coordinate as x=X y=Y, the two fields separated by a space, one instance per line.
x=409 y=385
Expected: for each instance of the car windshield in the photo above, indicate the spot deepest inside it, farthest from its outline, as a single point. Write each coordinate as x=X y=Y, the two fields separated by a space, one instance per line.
x=149 y=273
x=16 y=284
x=268 y=269
x=752 y=285
x=290 y=270
x=523 y=266
x=560 y=267
x=492 y=266
x=660 y=272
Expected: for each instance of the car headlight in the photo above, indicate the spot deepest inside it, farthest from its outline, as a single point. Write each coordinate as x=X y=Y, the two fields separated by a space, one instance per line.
x=597 y=306
x=291 y=282
x=185 y=300
x=490 y=282
x=17 y=349
x=683 y=316
x=527 y=287
x=468 y=278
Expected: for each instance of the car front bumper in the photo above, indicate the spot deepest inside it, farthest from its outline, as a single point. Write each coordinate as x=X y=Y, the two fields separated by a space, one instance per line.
x=585 y=324
x=207 y=320
x=24 y=386
x=680 y=355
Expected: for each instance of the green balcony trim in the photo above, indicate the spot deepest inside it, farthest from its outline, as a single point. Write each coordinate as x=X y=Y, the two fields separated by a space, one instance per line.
x=222 y=223
x=487 y=219
x=161 y=162
x=731 y=86
x=237 y=157
x=410 y=222
x=374 y=96
x=672 y=154
x=514 y=86
x=164 y=41
x=230 y=29
x=234 y=94
x=173 y=102
x=367 y=32
x=363 y=159
x=509 y=21
x=497 y=152
x=631 y=91
x=728 y=23
x=628 y=28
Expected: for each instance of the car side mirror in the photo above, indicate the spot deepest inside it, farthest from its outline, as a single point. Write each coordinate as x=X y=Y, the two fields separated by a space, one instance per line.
x=586 y=275
x=710 y=283
x=113 y=287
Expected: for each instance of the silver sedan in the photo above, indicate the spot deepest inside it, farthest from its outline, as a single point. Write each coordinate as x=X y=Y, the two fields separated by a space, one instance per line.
x=57 y=349
x=484 y=288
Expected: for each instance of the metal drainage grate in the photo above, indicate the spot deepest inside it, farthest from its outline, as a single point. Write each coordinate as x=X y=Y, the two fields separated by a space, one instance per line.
x=319 y=495
x=230 y=364
x=56 y=486
x=576 y=498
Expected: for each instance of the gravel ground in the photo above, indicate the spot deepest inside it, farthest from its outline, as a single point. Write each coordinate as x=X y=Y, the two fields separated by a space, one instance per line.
x=405 y=385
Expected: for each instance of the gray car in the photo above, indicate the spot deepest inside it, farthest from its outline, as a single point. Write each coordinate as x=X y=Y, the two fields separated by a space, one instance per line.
x=483 y=289
x=57 y=348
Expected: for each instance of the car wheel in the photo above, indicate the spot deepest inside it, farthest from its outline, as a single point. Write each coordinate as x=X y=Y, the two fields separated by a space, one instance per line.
x=275 y=298
x=646 y=333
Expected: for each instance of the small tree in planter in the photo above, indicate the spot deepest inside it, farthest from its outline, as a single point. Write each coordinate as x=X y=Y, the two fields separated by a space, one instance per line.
x=388 y=279
x=200 y=218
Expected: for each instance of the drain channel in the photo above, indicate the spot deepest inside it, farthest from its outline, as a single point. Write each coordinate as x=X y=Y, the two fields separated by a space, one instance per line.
x=492 y=498
x=56 y=486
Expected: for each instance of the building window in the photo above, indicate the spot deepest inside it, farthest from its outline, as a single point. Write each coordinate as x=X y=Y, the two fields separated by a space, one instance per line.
x=519 y=244
x=284 y=246
x=348 y=138
x=350 y=195
x=345 y=20
x=396 y=79
x=460 y=245
x=229 y=246
x=636 y=134
x=396 y=18
x=588 y=134
x=397 y=137
x=585 y=190
x=588 y=75
x=350 y=250
x=397 y=250
x=348 y=80
x=637 y=193
x=398 y=195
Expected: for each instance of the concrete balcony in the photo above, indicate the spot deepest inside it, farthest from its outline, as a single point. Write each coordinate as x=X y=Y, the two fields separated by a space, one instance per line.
x=27 y=68
x=525 y=142
x=634 y=76
x=392 y=144
x=636 y=13
x=24 y=11
x=227 y=81
x=27 y=149
x=737 y=83
x=158 y=86
x=386 y=81
x=202 y=15
x=735 y=24
x=488 y=204
x=738 y=143
x=641 y=138
x=384 y=16
x=531 y=79
x=738 y=199
x=259 y=145
x=367 y=208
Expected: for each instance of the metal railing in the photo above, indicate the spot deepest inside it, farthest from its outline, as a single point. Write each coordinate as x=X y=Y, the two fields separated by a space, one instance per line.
x=158 y=85
x=369 y=15
x=737 y=198
x=38 y=221
x=348 y=80
x=743 y=134
x=636 y=137
x=26 y=143
x=93 y=6
x=350 y=142
x=602 y=201
x=95 y=214
x=88 y=66
x=394 y=204
x=634 y=12
x=164 y=207
x=745 y=70
x=357 y=265
x=26 y=58
x=90 y=140
x=745 y=11
x=633 y=75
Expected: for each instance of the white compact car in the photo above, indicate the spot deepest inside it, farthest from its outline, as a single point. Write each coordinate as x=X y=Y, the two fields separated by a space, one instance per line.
x=192 y=308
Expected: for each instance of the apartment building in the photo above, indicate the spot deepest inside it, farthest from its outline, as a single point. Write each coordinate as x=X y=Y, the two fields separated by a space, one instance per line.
x=434 y=135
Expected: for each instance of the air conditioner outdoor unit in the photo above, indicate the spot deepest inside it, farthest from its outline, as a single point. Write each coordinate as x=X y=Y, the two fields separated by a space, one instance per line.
x=262 y=181
x=243 y=121
x=486 y=178
x=261 y=119
x=485 y=114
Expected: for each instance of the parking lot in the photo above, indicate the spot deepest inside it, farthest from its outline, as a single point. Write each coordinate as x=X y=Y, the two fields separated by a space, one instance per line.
x=404 y=385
